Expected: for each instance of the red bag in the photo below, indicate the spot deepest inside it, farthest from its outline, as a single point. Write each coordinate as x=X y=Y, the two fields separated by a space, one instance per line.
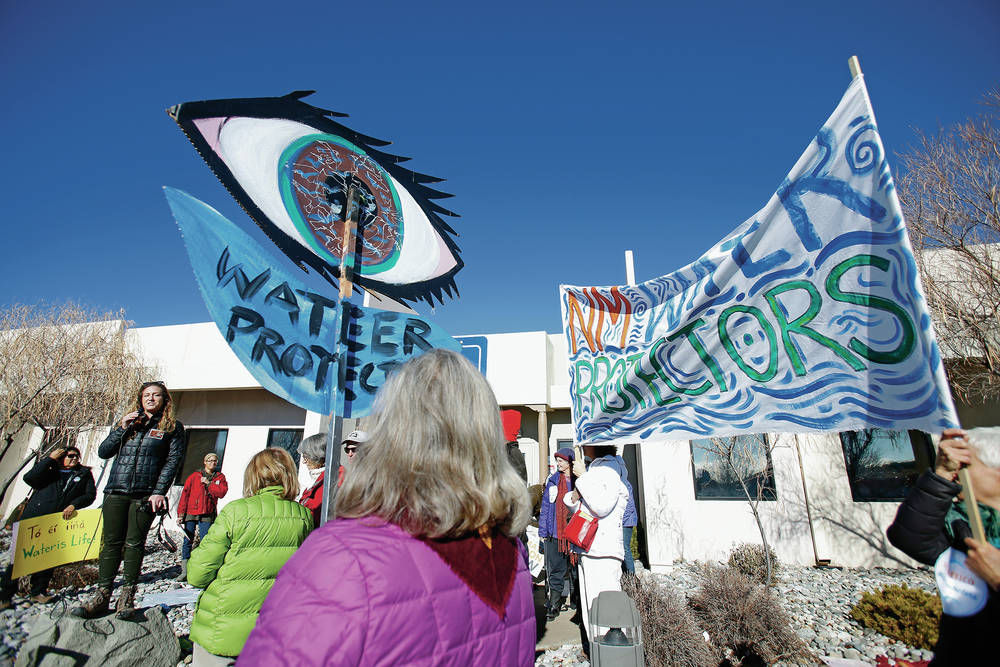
x=581 y=529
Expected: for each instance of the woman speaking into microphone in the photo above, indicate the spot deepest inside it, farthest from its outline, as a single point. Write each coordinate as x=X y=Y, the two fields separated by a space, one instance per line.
x=147 y=446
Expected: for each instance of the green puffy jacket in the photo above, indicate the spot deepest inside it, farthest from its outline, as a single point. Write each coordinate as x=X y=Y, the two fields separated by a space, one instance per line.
x=236 y=564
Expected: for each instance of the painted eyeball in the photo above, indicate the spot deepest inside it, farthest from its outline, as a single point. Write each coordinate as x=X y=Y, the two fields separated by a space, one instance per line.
x=290 y=165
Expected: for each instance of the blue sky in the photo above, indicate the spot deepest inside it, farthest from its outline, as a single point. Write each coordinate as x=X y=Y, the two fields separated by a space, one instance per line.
x=567 y=131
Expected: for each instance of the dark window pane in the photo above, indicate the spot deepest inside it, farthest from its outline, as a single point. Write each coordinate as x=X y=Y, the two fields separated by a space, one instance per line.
x=721 y=463
x=883 y=464
x=200 y=443
x=287 y=439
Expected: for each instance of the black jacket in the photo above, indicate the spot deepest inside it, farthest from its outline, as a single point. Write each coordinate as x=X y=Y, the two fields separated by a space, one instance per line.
x=146 y=460
x=918 y=531
x=55 y=489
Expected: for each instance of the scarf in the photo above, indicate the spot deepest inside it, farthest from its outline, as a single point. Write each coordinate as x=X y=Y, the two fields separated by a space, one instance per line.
x=486 y=562
x=562 y=516
x=991 y=521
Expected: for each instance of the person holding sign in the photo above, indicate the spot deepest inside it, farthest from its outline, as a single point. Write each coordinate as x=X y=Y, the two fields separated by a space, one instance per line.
x=196 y=507
x=599 y=492
x=929 y=523
x=421 y=564
x=59 y=484
x=147 y=445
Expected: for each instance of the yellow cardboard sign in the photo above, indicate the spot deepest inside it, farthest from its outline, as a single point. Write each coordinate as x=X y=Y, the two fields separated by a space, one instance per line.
x=50 y=540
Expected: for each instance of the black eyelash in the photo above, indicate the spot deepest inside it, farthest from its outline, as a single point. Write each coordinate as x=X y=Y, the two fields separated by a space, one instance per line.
x=291 y=107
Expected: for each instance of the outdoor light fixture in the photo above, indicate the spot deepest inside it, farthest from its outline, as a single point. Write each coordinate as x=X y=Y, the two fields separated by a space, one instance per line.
x=615 y=631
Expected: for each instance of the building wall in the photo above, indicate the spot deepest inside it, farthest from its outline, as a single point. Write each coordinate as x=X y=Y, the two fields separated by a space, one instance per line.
x=813 y=518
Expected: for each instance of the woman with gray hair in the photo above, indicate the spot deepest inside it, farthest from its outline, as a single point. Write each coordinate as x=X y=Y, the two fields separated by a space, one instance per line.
x=313 y=453
x=421 y=564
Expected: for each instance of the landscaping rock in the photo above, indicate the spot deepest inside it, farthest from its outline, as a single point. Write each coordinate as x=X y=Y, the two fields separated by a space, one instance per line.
x=147 y=640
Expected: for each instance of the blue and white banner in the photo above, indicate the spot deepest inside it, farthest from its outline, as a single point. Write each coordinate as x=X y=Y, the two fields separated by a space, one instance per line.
x=808 y=317
x=284 y=332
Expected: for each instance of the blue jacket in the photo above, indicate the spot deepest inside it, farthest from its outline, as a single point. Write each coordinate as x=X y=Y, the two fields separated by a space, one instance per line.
x=547 y=515
x=618 y=464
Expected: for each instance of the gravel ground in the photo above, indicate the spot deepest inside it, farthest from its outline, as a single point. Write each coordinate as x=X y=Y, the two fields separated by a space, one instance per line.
x=817 y=601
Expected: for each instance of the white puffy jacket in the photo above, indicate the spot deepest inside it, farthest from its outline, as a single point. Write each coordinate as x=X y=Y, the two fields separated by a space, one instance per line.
x=605 y=496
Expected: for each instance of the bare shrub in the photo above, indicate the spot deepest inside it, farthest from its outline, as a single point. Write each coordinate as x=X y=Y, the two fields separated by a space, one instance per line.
x=670 y=633
x=744 y=620
x=751 y=560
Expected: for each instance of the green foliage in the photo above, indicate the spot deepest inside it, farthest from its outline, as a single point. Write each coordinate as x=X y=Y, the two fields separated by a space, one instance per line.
x=905 y=614
x=633 y=545
x=749 y=560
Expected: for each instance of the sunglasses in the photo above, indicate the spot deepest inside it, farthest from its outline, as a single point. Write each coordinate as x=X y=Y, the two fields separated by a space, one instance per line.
x=72 y=456
x=350 y=450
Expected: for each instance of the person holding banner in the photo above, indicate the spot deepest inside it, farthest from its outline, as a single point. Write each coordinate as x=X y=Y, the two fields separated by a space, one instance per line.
x=147 y=446
x=421 y=564
x=59 y=484
x=607 y=455
x=929 y=522
x=196 y=506
x=601 y=493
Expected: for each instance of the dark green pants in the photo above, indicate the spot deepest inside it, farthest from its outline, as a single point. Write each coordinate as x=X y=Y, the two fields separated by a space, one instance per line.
x=125 y=530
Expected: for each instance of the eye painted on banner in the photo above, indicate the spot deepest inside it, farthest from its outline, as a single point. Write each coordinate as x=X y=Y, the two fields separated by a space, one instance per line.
x=292 y=177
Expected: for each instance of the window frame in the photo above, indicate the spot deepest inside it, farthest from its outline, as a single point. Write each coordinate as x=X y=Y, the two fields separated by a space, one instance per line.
x=770 y=492
x=222 y=432
x=917 y=439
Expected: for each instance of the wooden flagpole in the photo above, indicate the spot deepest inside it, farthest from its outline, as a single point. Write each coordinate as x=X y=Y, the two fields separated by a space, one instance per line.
x=971 y=506
x=335 y=431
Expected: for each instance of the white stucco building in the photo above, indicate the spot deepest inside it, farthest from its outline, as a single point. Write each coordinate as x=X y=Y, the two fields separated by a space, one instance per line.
x=813 y=512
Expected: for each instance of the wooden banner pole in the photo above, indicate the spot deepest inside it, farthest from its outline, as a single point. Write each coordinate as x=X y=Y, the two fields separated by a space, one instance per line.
x=971 y=506
x=335 y=431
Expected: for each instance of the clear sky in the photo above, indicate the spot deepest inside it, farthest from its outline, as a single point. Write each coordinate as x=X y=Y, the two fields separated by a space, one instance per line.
x=568 y=132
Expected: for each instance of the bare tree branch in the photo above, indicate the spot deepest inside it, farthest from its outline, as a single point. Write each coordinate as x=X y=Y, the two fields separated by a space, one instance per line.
x=950 y=200
x=63 y=368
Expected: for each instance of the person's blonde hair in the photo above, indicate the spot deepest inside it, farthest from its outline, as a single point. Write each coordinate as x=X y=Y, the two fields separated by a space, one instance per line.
x=435 y=462
x=271 y=467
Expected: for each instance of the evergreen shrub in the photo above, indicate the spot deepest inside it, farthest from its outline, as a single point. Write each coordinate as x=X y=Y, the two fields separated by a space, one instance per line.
x=908 y=615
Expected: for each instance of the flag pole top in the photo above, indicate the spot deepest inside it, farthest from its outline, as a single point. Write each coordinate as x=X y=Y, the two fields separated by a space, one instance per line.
x=855 y=66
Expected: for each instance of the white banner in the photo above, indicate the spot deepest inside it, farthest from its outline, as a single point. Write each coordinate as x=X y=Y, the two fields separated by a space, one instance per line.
x=808 y=317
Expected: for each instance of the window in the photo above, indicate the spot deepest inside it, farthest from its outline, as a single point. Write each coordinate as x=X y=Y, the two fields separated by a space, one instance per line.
x=720 y=464
x=200 y=443
x=882 y=465
x=287 y=439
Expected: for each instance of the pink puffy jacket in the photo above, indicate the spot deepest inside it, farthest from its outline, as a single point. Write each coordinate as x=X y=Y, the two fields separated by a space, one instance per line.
x=364 y=592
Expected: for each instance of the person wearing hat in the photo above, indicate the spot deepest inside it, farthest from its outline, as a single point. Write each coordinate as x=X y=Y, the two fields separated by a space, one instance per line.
x=552 y=522
x=313 y=453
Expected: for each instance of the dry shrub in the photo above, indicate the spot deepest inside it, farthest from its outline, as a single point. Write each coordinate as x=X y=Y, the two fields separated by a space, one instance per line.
x=669 y=631
x=750 y=560
x=905 y=614
x=746 y=623
x=74 y=575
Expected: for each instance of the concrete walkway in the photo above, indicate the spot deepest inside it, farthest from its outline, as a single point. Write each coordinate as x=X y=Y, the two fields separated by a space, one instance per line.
x=560 y=632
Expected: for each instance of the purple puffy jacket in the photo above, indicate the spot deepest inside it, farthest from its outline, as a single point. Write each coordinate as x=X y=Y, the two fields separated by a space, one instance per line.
x=365 y=592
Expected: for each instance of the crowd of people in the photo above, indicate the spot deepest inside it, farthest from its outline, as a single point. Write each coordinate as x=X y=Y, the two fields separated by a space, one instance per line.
x=424 y=560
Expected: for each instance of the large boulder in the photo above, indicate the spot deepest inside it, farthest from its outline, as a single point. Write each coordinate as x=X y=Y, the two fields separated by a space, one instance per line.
x=57 y=640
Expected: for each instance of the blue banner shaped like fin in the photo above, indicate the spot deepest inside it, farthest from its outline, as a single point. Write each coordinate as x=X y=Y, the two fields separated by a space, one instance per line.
x=284 y=332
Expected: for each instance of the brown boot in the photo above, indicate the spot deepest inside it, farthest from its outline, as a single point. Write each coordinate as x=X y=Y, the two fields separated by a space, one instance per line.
x=126 y=601
x=96 y=605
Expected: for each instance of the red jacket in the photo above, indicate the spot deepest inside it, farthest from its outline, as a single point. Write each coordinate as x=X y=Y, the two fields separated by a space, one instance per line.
x=198 y=498
x=313 y=496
